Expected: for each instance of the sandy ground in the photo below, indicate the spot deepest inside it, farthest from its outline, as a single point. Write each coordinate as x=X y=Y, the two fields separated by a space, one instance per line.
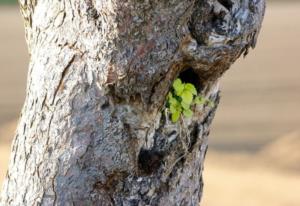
x=254 y=143
x=250 y=187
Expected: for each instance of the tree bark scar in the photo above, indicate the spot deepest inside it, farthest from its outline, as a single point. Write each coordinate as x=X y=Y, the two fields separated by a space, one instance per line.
x=60 y=85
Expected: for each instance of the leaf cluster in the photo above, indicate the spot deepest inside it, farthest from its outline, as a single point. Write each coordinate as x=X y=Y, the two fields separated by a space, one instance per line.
x=181 y=98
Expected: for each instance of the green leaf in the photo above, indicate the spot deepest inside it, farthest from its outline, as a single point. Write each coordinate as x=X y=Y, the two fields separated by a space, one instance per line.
x=180 y=99
x=175 y=116
x=190 y=87
x=199 y=100
x=173 y=109
x=187 y=97
x=178 y=87
x=173 y=101
x=185 y=105
x=177 y=83
x=188 y=113
x=174 y=105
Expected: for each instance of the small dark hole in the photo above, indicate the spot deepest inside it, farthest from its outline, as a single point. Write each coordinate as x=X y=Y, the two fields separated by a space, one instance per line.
x=105 y=105
x=149 y=161
x=50 y=150
x=215 y=19
x=190 y=76
x=226 y=3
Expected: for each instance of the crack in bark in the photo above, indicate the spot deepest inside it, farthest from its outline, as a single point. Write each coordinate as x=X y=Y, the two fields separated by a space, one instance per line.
x=63 y=74
x=53 y=188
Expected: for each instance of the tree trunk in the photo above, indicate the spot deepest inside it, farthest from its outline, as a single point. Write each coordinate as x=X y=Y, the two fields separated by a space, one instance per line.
x=93 y=130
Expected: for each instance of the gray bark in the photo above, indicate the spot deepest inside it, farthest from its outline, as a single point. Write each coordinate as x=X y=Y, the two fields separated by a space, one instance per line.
x=92 y=129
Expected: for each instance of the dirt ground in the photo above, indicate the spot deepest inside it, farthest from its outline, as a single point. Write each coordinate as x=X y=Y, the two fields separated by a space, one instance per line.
x=254 y=142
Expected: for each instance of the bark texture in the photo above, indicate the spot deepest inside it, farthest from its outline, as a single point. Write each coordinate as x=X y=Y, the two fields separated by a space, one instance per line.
x=92 y=130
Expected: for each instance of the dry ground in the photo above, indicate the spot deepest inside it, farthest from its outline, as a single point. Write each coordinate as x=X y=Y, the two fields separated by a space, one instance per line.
x=247 y=164
x=254 y=186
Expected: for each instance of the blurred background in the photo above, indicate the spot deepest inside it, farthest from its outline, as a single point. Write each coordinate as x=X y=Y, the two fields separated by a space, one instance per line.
x=254 y=154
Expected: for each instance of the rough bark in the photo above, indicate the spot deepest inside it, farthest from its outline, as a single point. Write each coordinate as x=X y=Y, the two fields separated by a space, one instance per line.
x=92 y=130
